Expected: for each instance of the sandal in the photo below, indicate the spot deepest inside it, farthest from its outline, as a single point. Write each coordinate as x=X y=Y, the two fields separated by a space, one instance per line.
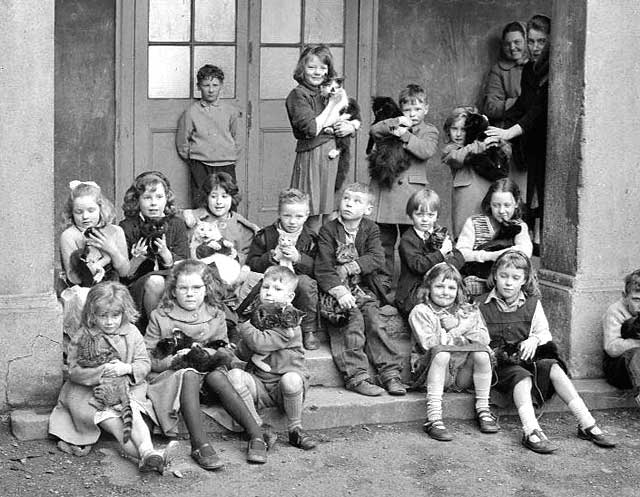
x=487 y=421
x=437 y=430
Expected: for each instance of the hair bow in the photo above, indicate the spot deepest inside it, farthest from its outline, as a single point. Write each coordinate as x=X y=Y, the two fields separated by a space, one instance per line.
x=75 y=184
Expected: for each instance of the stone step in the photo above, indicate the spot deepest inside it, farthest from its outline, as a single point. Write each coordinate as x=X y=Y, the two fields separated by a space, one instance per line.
x=331 y=407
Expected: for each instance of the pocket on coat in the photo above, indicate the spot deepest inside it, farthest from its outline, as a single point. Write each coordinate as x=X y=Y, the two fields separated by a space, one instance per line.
x=416 y=179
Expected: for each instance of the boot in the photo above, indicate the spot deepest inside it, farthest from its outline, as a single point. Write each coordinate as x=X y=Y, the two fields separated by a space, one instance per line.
x=309 y=340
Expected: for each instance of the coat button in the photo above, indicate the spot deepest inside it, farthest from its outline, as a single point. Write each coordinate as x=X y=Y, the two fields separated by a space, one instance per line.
x=400 y=181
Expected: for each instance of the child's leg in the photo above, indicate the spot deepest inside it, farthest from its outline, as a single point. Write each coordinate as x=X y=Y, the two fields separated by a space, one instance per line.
x=292 y=388
x=388 y=237
x=306 y=300
x=153 y=290
x=482 y=386
x=524 y=405
x=140 y=443
x=435 y=385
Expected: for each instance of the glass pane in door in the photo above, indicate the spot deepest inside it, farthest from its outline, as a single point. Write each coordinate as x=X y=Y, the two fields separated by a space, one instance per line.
x=169 y=20
x=324 y=21
x=215 y=21
x=280 y=21
x=276 y=71
x=169 y=72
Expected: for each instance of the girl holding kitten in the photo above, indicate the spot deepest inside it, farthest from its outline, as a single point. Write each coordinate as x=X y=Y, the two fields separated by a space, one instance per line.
x=191 y=303
x=314 y=172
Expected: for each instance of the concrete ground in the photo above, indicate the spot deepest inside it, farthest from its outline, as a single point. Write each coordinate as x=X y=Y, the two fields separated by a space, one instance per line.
x=366 y=460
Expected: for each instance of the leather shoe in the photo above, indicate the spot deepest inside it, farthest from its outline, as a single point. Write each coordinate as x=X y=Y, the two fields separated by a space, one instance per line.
x=207 y=458
x=309 y=340
x=487 y=421
x=257 y=451
x=437 y=430
x=395 y=387
x=301 y=440
x=367 y=388
x=600 y=440
x=152 y=461
x=542 y=446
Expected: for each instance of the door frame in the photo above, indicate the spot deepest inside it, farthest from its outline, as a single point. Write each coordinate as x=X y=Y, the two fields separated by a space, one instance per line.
x=125 y=91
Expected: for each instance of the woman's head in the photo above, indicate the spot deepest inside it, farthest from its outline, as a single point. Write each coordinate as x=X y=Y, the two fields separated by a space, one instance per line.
x=538 y=35
x=443 y=286
x=190 y=284
x=149 y=195
x=108 y=306
x=503 y=201
x=315 y=65
x=514 y=41
x=219 y=194
x=511 y=273
x=86 y=207
x=454 y=124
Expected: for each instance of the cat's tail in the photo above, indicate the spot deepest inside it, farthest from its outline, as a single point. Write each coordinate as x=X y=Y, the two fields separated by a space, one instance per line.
x=127 y=419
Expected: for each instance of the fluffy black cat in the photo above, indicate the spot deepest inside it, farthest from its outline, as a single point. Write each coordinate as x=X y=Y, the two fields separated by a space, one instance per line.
x=387 y=157
x=493 y=163
x=197 y=358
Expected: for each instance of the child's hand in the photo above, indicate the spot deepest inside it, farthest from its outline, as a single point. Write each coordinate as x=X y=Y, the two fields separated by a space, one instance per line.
x=449 y=322
x=139 y=249
x=98 y=240
x=344 y=128
x=447 y=246
x=99 y=274
x=342 y=272
x=528 y=348
x=290 y=253
x=347 y=301
x=117 y=368
x=405 y=121
x=163 y=250
x=399 y=131
x=183 y=351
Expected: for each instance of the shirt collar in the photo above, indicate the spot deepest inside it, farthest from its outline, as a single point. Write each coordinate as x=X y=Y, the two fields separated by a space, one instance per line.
x=350 y=232
x=206 y=105
x=493 y=295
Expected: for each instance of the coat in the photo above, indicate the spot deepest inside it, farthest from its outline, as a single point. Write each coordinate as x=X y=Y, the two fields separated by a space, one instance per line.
x=72 y=418
x=259 y=257
x=502 y=90
x=422 y=143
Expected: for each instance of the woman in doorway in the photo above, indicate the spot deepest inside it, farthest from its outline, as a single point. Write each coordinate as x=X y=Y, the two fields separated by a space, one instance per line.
x=528 y=118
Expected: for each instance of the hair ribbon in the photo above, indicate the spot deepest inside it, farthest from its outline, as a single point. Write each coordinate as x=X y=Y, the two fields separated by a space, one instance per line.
x=75 y=184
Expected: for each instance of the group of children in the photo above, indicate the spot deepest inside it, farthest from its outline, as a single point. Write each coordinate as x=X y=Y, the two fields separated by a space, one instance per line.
x=212 y=276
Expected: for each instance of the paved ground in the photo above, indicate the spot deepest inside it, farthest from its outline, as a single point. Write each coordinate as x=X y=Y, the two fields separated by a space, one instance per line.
x=375 y=460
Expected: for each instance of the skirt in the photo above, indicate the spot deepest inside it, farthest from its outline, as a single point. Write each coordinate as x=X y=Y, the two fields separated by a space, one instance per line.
x=315 y=174
x=459 y=356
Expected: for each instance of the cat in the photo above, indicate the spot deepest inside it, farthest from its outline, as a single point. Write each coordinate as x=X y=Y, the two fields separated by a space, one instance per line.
x=386 y=155
x=284 y=240
x=493 y=163
x=197 y=358
x=207 y=240
x=81 y=260
x=94 y=351
x=346 y=110
x=151 y=229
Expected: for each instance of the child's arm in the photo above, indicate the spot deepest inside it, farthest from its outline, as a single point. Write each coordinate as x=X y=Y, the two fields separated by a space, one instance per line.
x=471 y=328
x=614 y=344
x=263 y=341
x=114 y=249
x=153 y=335
x=141 y=364
x=453 y=154
x=259 y=257
x=305 y=264
x=417 y=260
x=372 y=258
x=538 y=334
x=67 y=247
x=183 y=134
x=422 y=145
x=425 y=328
x=78 y=374
x=306 y=123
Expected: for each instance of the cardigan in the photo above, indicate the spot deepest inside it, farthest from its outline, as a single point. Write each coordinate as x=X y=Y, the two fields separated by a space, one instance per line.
x=260 y=257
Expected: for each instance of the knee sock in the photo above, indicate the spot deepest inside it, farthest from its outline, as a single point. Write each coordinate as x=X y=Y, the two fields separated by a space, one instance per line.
x=435 y=389
x=582 y=414
x=245 y=395
x=233 y=403
x=528 y=418
x=293 y=409
x=482 y=385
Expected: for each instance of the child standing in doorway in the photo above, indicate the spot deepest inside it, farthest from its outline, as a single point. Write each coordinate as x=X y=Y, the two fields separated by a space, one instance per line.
x=313 y=170
x=207 y=132
x=420 y=141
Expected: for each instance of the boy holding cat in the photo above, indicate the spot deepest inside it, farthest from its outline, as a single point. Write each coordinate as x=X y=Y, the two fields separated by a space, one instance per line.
x=289 y=242
x=352 y=286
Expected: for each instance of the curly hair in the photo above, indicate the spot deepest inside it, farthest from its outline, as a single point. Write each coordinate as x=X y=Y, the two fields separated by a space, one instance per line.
x=107 y=211
x=209 y=71
x=518 y=260
x=148 y=180
x=224 y=181
x=108 y=295
x=445 y=271
x=214 y=287
x=324 y=55
x=505 y=185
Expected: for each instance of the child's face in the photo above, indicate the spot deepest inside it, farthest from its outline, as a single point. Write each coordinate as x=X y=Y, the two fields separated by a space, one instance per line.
x=503 y=205
x=632 y=301
x=354 y=205
x=86 y=212
x=315 y=71
x=109 y=319
x=210 y=89
x=219 y=202
x=153 y=201
x=509 y=281
x=414 y=110
x=457 y=134
x=190 y=291
x=275 y=291
x=293 y=216
x=443 y=292
x=424 y=219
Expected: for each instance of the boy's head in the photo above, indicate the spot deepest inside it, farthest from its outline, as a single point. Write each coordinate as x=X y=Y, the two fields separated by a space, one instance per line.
x=422 y=208
x=413 y=103
x=210 y=79
x=631 y=294
x=356 y=202
x=293 y=209
x=278 y=285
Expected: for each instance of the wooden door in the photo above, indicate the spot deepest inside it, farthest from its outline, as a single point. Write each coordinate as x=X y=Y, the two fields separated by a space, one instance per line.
x=278 y=31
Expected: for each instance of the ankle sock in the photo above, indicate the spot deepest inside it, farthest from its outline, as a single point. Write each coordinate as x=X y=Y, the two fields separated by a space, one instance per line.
x=582 y=414
x=293 y=409
x=528 y=418
x=482 y=385
x=434 y=406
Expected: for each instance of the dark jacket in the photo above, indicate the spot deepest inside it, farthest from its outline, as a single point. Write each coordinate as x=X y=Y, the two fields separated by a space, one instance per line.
x=260 y=258
x=304 y=104
x=371 y=254
x=416 y=258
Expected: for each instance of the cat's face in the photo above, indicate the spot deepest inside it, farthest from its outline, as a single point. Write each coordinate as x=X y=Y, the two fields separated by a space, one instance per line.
x=346 y=252
x=330 y=86
x=207 y=232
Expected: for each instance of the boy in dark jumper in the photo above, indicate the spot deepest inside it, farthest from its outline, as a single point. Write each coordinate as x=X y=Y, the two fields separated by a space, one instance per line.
x=357 y=300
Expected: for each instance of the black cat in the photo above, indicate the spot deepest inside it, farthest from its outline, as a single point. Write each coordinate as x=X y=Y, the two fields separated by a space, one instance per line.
x=197 y=358
x=493 y=163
